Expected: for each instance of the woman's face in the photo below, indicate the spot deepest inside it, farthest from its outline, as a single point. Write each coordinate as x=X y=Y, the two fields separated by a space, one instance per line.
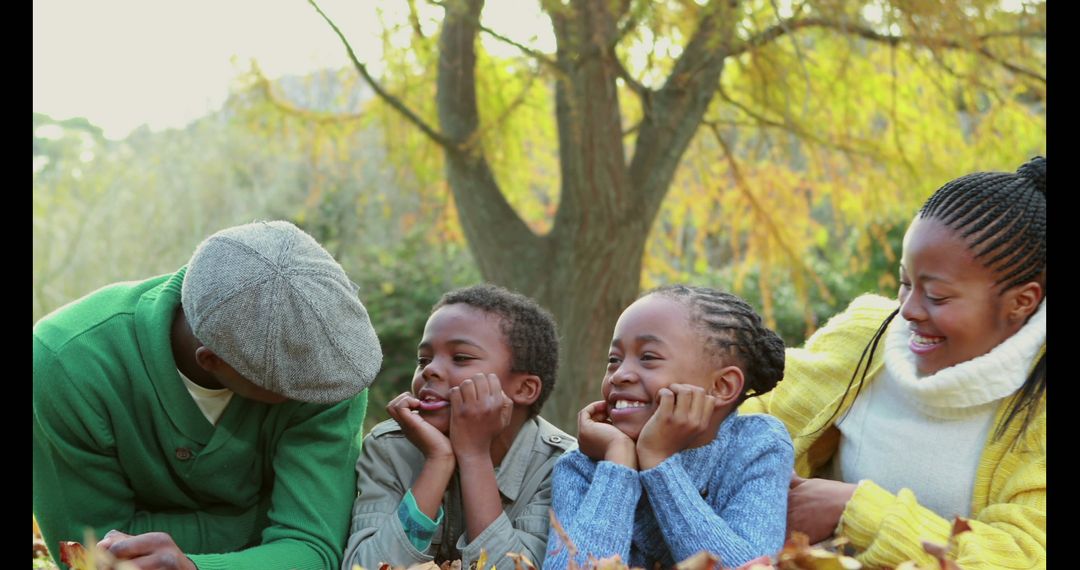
x=950 y=300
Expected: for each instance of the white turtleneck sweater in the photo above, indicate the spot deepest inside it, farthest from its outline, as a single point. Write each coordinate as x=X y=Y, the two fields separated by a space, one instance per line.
x=927 y=433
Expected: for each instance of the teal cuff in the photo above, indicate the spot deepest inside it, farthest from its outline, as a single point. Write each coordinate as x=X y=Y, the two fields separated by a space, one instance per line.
x=418 y=527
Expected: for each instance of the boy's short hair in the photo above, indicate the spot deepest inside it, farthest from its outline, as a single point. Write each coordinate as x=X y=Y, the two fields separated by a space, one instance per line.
x=529 y=329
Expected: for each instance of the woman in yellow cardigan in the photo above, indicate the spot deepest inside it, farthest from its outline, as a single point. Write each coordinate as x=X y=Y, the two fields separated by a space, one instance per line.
x=901 y=424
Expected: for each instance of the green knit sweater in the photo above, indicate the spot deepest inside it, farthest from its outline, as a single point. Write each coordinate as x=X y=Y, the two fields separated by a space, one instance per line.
x=119 y=443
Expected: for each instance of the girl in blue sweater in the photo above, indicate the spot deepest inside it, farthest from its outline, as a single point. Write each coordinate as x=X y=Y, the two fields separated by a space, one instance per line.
x=665 y=468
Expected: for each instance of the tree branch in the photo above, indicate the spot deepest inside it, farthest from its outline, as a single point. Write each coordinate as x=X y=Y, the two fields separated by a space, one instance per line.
x=382 y=93
x=1009 y=65
x=494 y=230
x=626 y=26
x=263 y=86
x=519 y=99
x=702 y=51
x=744 y=187
x=640 y=90
x=789 y=26
x=972 y=77
x=1026 y=34
x=414 y=20
x=894 y=112
x=794 y=129
x=800 y=57
x=538 y=56
x=676 y=109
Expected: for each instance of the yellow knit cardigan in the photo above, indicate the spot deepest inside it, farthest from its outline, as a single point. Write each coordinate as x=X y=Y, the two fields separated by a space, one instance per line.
x=1008 y=500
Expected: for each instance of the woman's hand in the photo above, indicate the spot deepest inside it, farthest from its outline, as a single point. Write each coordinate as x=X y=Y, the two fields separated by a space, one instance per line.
x=815 y=506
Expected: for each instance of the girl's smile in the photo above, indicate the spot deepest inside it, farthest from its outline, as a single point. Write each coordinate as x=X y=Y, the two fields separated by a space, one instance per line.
x=624 y=408
x=654 y=345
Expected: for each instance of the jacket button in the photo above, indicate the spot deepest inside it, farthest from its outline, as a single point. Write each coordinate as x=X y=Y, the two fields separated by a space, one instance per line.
x=183 y=453
x=555 y=438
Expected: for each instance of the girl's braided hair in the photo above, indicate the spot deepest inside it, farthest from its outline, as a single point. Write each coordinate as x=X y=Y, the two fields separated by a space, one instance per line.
x=733 y=330
x=1002 y=216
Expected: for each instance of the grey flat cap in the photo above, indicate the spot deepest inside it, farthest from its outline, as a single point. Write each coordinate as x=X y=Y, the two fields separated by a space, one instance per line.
x=277 y=307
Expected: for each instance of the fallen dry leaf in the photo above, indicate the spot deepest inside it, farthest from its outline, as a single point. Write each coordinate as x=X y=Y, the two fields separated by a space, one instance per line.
x=521 y=562
x=798 y=554
x=701 y=561
x=75 y=555
x=960 y=526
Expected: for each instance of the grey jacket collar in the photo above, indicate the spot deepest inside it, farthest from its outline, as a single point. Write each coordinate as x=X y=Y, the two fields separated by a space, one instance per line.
x=528 y=447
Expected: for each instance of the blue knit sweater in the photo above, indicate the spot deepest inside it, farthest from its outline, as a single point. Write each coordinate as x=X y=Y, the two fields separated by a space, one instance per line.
x=728 y=497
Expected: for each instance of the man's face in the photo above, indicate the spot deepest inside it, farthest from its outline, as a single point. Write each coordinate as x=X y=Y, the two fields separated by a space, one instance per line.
x=229 y=378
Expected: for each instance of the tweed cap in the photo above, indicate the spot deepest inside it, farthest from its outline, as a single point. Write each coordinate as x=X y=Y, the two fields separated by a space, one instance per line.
x=276 y=306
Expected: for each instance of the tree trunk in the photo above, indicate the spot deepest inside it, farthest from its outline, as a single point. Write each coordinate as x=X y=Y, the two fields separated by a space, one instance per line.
x=587 y=269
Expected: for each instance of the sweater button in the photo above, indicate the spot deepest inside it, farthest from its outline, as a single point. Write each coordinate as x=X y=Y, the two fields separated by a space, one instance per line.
x=183 y=453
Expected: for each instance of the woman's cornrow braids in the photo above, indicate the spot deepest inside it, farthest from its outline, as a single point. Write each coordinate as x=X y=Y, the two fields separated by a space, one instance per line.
x=1003 y=217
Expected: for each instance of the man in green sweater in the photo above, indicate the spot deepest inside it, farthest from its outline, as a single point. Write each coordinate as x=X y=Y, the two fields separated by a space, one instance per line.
x=210 y=418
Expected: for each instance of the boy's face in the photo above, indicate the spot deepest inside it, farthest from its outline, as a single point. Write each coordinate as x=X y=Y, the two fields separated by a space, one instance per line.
x=654 y=345
x=459 y=341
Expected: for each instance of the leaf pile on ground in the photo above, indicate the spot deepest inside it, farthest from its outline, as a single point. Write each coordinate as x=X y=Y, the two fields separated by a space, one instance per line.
x=797 y=554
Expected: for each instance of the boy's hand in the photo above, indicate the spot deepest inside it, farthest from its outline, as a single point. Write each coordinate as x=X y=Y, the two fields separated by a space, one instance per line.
x=426 y=437
x=479 y=411
x=599 y=440
x=439 y=461
x=682 y=416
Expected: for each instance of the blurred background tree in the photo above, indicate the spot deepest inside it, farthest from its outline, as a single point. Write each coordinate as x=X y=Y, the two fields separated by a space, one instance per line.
x=777 y=149
x=798 y=113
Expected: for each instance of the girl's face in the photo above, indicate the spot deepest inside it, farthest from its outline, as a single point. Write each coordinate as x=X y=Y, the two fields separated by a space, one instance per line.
x=654 y=345
x=953 y=308
x=459 y=341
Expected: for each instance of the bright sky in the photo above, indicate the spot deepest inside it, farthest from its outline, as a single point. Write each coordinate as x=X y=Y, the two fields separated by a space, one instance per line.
x=124 y=63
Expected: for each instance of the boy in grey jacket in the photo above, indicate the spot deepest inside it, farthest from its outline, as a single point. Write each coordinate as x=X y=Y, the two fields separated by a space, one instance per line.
x=464 y=465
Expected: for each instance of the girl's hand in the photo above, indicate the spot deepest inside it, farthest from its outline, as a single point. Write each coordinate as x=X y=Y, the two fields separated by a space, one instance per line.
x=815 y=506
x=599 y=440
x=426 y=437
x=479 y=411
x=683 y=415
